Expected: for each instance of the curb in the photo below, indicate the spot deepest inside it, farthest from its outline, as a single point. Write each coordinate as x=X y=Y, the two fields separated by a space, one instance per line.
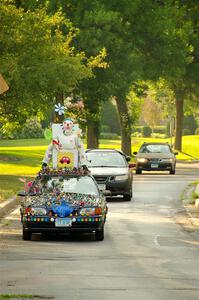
x=178 y=161
x=193 y=211
x=8 y=206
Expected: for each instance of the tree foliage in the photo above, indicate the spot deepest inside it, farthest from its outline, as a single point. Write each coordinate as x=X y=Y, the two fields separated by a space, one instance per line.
x=36 y=60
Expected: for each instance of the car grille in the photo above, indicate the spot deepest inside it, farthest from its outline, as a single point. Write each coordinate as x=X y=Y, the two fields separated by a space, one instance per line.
x=101 y=179
x=155 y=159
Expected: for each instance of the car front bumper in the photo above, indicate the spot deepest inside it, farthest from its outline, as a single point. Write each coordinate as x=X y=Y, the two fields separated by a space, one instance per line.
x=155 y=166
x=95 y=224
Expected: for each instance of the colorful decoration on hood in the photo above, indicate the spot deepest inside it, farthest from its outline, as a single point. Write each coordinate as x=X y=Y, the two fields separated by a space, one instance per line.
x=63 y=171
x=59 y=109
x=62 y=210
x=55 y=199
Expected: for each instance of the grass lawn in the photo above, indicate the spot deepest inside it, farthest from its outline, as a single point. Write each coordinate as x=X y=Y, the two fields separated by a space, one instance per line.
x=22 y=158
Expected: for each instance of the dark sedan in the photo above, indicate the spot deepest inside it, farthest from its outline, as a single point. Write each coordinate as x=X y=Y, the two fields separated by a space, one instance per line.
x=60 y=201
x=155 y=157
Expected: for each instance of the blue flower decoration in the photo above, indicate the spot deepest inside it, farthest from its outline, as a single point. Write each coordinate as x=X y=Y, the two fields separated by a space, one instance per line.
x=62 y=210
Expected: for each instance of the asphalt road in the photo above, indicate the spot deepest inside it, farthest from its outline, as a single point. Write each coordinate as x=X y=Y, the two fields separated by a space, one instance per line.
x=145 y=254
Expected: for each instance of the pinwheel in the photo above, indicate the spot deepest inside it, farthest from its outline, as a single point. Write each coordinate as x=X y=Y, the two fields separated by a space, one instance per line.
x=59 y=109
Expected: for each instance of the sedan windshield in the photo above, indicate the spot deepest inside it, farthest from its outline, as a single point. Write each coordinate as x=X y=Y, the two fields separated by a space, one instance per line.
x=105 y=159
x=155 y=149
x=79 y=185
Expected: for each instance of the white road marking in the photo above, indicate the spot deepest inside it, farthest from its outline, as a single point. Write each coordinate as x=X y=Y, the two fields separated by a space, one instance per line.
x=156 y=241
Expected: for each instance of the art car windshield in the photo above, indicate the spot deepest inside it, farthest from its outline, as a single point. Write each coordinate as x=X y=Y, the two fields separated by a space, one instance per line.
x=78 y=184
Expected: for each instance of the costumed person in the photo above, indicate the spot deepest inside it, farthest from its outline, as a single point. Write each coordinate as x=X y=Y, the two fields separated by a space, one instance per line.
x=65 y=139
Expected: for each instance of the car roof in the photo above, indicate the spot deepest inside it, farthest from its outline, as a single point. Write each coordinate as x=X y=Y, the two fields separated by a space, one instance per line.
x=104 y=150
x=155 y=143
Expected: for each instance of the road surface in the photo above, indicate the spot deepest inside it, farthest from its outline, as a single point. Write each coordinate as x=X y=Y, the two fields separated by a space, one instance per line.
x=145 y=254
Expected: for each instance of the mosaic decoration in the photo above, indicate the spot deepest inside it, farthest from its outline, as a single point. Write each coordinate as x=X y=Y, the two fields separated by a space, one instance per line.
x=63 y=171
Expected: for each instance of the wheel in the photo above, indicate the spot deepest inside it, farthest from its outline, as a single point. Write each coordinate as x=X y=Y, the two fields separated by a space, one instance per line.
x=138 y=171
x=128 y=197
x=172 y=171
x=26 y=235
x=99 y=235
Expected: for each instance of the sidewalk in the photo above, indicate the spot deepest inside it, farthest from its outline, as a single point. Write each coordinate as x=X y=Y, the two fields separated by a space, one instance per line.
x=191 y=209
x=7 y=206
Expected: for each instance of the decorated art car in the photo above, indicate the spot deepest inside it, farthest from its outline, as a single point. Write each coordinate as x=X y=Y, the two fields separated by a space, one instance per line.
x=65 y=201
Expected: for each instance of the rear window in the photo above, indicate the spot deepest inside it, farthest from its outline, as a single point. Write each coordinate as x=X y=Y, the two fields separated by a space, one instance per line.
x=105 y=159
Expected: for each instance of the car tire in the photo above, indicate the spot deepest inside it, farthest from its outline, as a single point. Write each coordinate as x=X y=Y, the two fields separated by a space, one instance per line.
x=138 y=171
x=99 y=234
x=172 y=171
x=26 y=235
x=128 y=197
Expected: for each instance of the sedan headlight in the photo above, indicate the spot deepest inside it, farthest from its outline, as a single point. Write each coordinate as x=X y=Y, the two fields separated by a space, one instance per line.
x=142 y=159
x=167 y=159
x=90 y=211
x=121 y=177
x=38 y=211
x=87 y=211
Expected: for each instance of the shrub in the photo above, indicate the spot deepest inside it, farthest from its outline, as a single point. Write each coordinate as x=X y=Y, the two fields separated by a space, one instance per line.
x=146 y=131
x=186 y=131
x=111 y=136
x=137 y=129
x=197 y=131
x=158 y=135
x=106 y=128
x=137 y=134
x=160 y=129
x=9 y=130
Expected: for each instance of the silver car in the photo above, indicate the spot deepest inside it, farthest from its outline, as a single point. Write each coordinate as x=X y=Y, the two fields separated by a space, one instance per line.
x=111 y=170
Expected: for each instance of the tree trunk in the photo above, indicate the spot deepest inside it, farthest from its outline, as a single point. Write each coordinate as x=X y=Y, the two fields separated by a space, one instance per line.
x=92 y=134
x=125 y=126
x=179 y=122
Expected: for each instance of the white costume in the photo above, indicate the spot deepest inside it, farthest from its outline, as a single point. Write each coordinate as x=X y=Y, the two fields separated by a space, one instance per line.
x=65 y=140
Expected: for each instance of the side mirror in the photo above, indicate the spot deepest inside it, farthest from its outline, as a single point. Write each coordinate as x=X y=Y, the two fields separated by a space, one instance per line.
x=132 y=165
x=22 y=193
x=128 y=158
x=175 y=153
x=135 y=153
x=106 y=193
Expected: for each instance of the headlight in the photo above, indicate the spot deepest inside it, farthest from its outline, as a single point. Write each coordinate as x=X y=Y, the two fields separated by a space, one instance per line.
x=167 y=160
x=38 y=211
x=142 y=159
x=90 y=211
x=87 y=211
x=121 y=177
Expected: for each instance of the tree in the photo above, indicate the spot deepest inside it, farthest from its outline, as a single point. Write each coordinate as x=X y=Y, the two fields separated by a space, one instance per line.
x=144 y=40
x=185 y=86
x=36 y=60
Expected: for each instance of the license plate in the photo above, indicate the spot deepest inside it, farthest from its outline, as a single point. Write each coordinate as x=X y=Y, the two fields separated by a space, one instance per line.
x=63 y=222
x=102 y=187
x=154 y=165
